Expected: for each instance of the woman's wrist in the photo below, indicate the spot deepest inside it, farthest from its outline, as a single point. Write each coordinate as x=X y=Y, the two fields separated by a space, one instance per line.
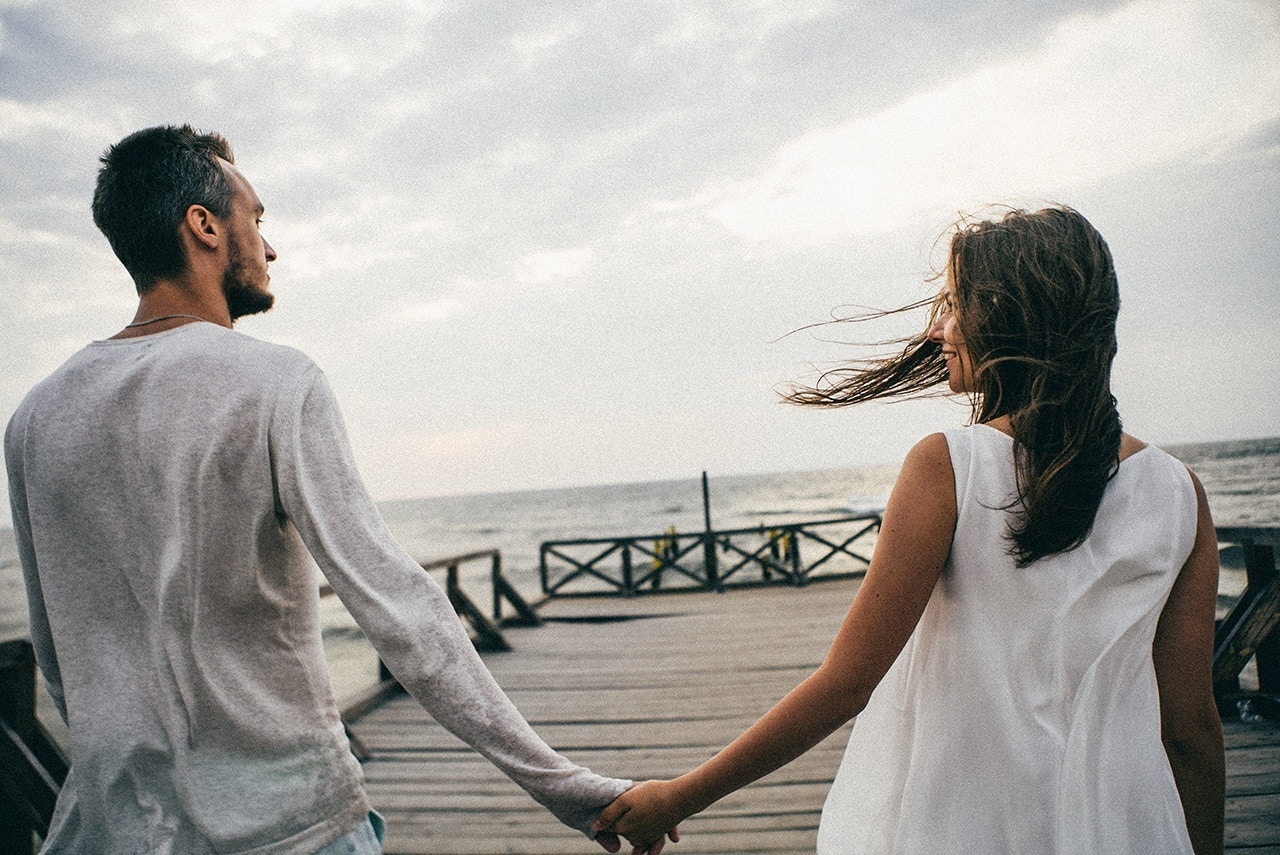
x=689 y=796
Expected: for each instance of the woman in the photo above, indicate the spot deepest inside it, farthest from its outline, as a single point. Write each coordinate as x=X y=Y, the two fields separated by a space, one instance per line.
x=1029 y=655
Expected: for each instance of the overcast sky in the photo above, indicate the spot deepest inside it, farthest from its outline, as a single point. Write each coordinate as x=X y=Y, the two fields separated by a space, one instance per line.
x=562 y=243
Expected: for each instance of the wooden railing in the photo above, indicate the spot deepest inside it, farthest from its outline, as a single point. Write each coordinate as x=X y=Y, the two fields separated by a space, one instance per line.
x=791 y=553
x=1251 y=629
x=32 y=766
x=486 y=632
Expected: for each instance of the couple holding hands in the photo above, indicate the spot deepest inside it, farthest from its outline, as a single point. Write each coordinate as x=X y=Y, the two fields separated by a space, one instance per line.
x=1028 y=655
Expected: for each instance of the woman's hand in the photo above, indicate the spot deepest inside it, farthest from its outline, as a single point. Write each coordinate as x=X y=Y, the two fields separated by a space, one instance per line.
x=643 y=815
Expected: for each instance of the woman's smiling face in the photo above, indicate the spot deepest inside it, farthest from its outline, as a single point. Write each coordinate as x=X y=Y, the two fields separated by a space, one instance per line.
x=946 y=332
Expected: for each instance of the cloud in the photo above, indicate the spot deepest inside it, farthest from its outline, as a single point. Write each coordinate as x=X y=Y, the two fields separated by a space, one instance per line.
x=546 y=266
x=584 y=215
x=54 y=121
x=537 y=45
x=414 y=315
x=1104 y=96
x=754 y=21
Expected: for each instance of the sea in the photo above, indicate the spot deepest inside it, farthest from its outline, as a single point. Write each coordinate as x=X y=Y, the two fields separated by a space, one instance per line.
x=1241 y=478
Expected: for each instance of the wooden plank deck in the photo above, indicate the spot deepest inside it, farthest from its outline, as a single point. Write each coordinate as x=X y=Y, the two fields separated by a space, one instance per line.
x=652 y=686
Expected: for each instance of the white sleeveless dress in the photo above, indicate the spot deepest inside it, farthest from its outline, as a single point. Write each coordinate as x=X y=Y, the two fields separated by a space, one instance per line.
x=1022 y=716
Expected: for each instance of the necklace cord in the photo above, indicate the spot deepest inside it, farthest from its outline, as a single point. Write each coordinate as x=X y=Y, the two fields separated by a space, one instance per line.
x=165 y=318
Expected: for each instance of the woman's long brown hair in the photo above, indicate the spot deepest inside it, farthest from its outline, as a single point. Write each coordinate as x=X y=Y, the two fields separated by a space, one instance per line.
x=1036 y=301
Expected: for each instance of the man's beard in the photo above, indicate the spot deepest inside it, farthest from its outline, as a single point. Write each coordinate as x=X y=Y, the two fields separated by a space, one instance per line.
x=242 y=298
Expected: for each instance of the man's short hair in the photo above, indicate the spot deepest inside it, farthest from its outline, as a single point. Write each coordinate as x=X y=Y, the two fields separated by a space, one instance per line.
x=147 y=182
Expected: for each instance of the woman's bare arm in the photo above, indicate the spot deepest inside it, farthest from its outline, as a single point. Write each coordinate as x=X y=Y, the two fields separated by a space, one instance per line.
x=1183 y=653
x=914 y=542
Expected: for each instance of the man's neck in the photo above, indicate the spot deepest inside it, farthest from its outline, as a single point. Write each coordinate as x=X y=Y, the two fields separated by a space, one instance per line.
x=169 y=304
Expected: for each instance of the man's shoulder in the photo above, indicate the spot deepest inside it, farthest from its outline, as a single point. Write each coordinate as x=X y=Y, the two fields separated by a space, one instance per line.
x=48 y=386
x=228 y=361
x=241 y=365
x=250 y=351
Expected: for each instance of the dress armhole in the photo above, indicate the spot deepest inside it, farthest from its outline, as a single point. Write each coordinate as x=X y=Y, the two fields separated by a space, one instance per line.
x=960 y=445
x=1190 y=513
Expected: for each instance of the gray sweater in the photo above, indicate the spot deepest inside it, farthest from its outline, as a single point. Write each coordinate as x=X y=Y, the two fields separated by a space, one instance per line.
x=172 y=495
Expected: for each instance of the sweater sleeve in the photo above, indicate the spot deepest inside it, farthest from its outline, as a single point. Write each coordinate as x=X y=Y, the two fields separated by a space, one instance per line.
x=41 y=635
x=406 y=614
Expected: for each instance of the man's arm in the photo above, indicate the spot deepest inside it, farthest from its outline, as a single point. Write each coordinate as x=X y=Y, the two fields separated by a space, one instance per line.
x=41 y=636
x=406 y=614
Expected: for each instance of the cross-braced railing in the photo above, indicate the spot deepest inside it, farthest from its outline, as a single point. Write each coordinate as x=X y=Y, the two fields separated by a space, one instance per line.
x=787 y=553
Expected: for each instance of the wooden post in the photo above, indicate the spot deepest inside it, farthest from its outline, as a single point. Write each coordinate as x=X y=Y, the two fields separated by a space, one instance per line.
x=488 y=636
x=628 y=580
x=1260 y=570
x=503 y=590
x=775 y=554
x=1252 y=627
x=18 y=687
x=709 y=538
x=495 y=573
x=18 y=711
x=798 y=573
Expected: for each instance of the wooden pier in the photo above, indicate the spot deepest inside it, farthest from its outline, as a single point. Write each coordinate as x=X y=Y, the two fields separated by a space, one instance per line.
x=651 y=686
x=651 y=683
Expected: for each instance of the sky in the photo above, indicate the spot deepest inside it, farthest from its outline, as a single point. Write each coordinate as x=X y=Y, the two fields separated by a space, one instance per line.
x=562 y=243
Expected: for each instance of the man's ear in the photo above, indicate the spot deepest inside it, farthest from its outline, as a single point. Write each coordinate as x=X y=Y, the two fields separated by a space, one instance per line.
x=202 y=226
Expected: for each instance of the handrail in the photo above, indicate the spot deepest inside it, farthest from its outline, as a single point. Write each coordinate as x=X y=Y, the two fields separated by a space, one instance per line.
x=32 y=766
x=486 y=632
x=773 y=555
x=1251 y=629
x=1269 y=535
x=503 y=591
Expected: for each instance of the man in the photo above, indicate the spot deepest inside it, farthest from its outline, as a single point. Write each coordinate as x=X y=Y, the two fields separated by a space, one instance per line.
x=170 y=487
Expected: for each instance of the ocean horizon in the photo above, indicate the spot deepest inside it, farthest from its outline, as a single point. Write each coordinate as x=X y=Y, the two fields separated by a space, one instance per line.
x=1241 y=478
